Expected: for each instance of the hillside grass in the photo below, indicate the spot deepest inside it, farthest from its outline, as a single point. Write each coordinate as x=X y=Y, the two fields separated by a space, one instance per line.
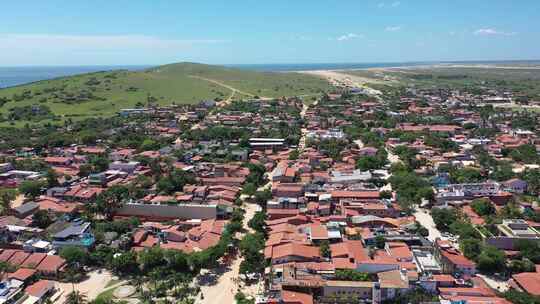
x=525 y=80
x=113 y=90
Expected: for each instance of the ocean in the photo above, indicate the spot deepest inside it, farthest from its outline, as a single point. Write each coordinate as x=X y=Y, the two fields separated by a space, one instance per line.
x=13 y=76
x=321 y=66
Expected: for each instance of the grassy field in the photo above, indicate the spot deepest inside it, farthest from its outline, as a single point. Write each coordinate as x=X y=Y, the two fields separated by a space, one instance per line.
x=104 y=93
x=525 y=80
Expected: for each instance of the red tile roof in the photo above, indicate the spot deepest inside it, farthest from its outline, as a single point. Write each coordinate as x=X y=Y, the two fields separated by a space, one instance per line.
x=356 y=194
x=292 y=249
x=319 y=232
x=528 y=281
x=22 y=274
x=51 y=263
x=18 y=258
x=6 y=254
x=33 y=260
x=40 y=288
x=293 y=297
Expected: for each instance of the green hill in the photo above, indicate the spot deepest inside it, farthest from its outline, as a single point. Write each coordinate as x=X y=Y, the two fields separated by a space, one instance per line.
x=104 y=93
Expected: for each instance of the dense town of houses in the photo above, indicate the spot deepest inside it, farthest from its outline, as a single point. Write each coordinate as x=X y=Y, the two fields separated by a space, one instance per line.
x=327 y=217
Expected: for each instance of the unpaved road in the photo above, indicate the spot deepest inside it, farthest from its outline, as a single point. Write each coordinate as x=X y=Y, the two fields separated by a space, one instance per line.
x=228 y=283
x=91 y=287
x=233 y=90
x=341 y=78
x=425 y=219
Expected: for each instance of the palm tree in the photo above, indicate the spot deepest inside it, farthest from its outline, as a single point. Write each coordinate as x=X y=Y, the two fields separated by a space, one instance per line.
x=75 y=297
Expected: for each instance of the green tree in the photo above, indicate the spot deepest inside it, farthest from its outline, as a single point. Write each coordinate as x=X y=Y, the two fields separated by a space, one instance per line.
x=380 y=241
x=112 y=199
x=466 y=175
x=99 y=163
x=261 y=197
x=525 y=153
x=351 y=275
x=125 y=263
x=31 y=188
x=368 y=163
x=6 y=197
x=251 y=246
x=444 y=217
x=249 y=189
x=519 y=297
x=241 y=298
x=483 y=207
x=257 y=222
x=175 y=181
x=470 y=247
x=519 y=266
x=85 y=170
x=491 y=260
x=74 y=255
x=151 y=258
x=42 y=219
x=324 y=249
x=532 y=177
x=256 y=174
x=294 y=155
x=52 y=178
x=75 y=297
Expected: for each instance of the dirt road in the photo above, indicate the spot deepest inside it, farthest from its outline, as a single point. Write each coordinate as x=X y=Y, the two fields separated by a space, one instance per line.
x=234 y=91
x=91 y=287
x=424 y=218
x=341 y=78
x=220 y=285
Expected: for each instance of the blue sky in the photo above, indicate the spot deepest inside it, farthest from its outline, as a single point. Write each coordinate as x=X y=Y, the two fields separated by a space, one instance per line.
x=99 y=32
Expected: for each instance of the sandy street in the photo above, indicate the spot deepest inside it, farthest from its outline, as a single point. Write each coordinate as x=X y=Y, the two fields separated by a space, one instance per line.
x=341 y=77
x=91 y=287
x=500 y=286
x=392 y=158
x=359 y=143
x=221 y=285
x=18 y=201
x=424 y=218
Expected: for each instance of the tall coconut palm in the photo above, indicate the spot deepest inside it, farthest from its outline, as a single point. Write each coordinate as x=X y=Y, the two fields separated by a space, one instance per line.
x=75 y=297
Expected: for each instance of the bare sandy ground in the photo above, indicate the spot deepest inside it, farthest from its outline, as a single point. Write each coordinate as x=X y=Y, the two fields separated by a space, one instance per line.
x=225 y=281
x=91 y=287
x=336 y=76
x=425 y=219
x=18 y=201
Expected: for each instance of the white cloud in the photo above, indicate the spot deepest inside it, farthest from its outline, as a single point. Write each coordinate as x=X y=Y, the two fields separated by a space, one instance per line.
x=391 y=4
x=493 y=32
x=348 y=36
x=392 y=28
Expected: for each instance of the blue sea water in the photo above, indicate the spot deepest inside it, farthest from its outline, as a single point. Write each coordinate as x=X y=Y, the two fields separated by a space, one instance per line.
x=13 y=76
x=321 y=66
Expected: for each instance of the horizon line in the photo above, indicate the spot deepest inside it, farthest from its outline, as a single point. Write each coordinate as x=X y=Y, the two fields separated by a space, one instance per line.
x=275 y=63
